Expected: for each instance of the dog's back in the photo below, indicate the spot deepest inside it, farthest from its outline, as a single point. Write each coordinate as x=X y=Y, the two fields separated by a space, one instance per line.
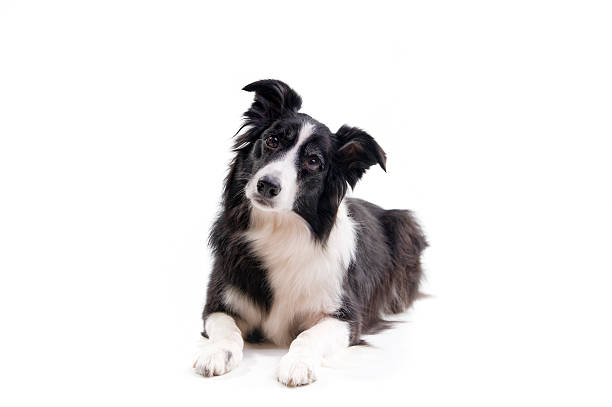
x=387 y=270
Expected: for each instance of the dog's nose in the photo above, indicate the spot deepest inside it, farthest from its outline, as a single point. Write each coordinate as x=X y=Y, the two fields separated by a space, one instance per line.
x=268 y=186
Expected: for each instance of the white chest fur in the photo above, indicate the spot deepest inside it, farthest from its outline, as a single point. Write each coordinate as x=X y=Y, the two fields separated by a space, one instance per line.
x=306 y=278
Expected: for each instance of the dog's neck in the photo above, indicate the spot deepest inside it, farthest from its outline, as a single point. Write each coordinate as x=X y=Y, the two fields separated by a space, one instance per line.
x=304 y=274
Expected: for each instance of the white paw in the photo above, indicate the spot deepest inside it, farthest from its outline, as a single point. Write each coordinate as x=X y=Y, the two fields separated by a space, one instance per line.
x=215 y=359
x=296 y=370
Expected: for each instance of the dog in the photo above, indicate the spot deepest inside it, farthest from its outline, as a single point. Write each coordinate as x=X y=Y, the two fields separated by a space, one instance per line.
x=295 y=261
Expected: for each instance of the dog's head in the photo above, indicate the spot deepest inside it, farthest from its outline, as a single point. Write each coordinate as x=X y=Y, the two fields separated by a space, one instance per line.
x=288 y=161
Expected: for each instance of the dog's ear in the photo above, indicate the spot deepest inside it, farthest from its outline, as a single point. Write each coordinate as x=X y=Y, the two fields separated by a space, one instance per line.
x=357 y=151
x=273 y=99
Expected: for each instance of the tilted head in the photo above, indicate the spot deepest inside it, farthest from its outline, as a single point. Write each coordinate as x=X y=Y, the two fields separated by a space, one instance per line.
x=288 y=161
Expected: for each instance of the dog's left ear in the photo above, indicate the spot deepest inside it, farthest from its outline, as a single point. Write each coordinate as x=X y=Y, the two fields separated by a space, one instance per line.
x=357 y=152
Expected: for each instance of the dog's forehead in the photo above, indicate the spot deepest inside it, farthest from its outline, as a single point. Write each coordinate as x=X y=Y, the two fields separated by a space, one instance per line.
x=302 y=130
x=288 y=128
x=320 y=137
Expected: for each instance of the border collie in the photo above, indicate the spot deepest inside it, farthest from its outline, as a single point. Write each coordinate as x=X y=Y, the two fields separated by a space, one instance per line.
x=295 y=261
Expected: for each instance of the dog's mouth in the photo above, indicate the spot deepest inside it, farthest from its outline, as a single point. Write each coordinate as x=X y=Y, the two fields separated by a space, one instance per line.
x=262 y=203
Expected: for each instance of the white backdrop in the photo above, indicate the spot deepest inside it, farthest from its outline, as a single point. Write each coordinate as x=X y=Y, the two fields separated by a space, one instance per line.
x=116 y=120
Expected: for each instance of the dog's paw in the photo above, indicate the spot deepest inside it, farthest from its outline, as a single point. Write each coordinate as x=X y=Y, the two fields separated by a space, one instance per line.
x=214 y=359
x=296 y=370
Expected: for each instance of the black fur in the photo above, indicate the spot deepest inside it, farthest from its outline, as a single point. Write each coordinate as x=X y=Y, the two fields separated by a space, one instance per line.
x=385 y=274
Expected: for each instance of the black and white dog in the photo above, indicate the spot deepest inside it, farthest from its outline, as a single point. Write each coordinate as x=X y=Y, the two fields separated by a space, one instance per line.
x=295 y=262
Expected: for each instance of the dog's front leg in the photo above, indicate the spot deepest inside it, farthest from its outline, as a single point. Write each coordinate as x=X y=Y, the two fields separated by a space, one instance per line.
x=223 y=351
x=300 y=365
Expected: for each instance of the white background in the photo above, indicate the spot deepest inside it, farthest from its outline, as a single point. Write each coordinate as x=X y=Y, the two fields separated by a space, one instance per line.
x=116 y=120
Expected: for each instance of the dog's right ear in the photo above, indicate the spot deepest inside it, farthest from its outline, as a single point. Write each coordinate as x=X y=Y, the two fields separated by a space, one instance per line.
x=273 y=99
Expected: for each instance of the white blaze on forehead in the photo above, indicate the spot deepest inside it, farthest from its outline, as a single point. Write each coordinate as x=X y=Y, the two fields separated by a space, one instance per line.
x=305 y=133
x=285 y=169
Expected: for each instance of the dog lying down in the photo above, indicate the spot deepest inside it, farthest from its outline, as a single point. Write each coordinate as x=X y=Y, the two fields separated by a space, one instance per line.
x=295 y=261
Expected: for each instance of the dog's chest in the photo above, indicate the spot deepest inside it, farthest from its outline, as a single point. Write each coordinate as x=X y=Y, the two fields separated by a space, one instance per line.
x=306 y=278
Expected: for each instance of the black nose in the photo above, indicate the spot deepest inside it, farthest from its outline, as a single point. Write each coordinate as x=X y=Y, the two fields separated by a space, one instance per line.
x=268 y=187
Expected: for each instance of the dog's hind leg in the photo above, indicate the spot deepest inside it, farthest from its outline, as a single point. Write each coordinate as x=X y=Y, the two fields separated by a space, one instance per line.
x=223 y=351
x=299 y=366
x=406 y=241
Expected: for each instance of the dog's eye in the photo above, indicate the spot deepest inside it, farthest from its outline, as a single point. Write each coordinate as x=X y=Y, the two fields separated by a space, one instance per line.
x=313 y=162
x=272 y=141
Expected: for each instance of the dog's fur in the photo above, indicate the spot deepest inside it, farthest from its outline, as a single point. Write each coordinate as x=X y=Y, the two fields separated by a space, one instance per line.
x=294 y=260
